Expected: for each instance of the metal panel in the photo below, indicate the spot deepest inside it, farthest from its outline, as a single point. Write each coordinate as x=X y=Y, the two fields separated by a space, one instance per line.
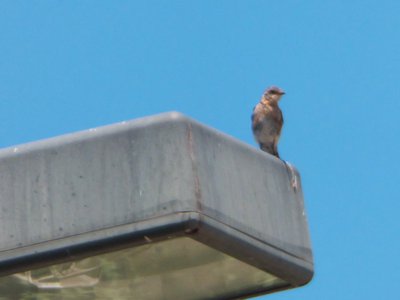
x=95 y=179
x=250 y=190
x=151 y=178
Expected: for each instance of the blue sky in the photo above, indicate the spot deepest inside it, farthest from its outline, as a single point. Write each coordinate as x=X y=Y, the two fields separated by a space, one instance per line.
x=72 y=65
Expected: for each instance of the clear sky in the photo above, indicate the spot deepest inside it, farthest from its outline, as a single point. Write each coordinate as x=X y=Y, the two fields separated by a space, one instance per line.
x=72 y=65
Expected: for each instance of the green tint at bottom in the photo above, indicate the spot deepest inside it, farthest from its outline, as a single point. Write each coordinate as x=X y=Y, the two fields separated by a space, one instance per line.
x=179 y=268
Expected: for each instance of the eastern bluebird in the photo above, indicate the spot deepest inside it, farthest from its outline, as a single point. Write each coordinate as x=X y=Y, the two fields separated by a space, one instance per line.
x=267 y=120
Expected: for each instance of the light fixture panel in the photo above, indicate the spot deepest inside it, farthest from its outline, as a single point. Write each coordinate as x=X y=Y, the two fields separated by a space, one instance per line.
x=159 y=205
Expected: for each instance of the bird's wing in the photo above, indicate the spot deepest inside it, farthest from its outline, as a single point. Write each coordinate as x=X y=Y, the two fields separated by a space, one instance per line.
x=256 y=122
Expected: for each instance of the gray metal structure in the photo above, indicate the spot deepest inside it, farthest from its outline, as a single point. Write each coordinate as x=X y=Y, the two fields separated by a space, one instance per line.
x=144 y=180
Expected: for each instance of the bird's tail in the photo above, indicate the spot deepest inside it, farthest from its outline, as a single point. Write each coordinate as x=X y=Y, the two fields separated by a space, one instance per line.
x=294 y=183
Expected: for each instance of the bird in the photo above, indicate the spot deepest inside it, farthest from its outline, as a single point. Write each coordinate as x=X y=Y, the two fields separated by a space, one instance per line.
x=266 y=123
x=267 y=120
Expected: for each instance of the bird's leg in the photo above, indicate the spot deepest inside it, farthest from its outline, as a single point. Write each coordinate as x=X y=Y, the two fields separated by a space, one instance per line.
x=275 y=148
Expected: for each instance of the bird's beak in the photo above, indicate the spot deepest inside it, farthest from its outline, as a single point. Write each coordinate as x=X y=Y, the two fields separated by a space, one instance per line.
x=283 y=93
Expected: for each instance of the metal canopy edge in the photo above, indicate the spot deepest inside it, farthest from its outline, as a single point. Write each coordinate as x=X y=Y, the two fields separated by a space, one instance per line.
x=145 y=180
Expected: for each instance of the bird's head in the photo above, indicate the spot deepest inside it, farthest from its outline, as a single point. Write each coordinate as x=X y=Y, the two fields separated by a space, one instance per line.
x=273 y=94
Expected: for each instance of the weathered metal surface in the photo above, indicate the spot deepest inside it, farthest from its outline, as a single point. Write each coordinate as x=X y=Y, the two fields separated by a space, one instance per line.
x=136 y=172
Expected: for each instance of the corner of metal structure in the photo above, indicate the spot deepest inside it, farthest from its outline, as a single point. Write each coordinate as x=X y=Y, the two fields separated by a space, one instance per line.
x=295 y=270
